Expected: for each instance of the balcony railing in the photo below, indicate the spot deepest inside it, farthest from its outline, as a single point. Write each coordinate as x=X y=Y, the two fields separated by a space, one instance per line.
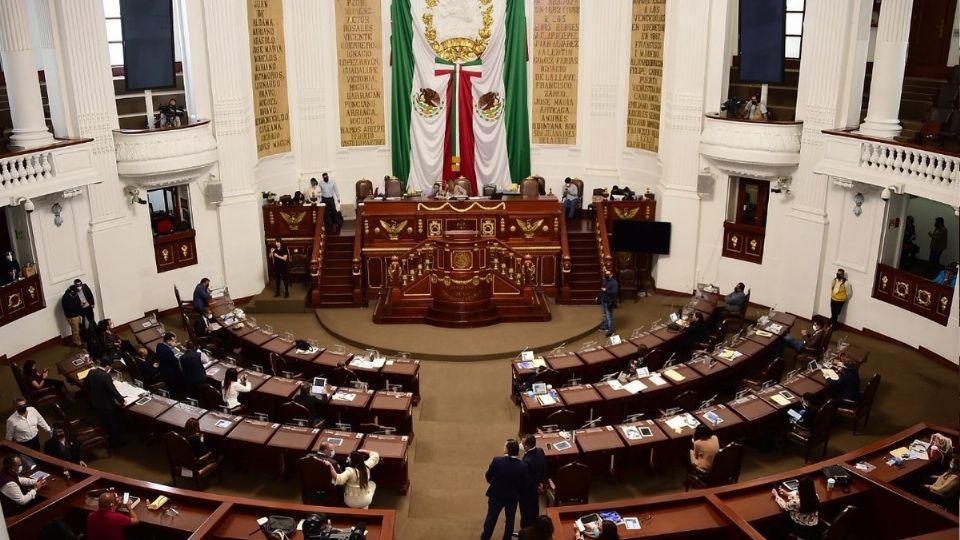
x=923 y=171
x=157 y=157
x=766 y=149
x=41 y=171
x=913 y=293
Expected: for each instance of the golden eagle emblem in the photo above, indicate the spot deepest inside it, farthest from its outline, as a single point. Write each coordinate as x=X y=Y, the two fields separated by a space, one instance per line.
x=626 y=213
x=529 y=226
x=489 y=106
x=427 y=102
x=293 y=220
x=393 y=228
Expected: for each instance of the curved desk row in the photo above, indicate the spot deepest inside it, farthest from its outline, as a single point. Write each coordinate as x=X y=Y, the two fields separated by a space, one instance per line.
x=198 y=515
x=747 y=509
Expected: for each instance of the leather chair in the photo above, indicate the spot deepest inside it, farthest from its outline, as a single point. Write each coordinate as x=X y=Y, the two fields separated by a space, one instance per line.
x=541 y=185
x=489 y=190
x=184 y=307
x=292 y=412
x=579 y=183
x=284 y=367
x=315 y=483
x=818 y=433
x=806 y=354
x=570 y=485
x=364 y=189
x=393 y=187
x=772 y=372
x=36 y=398
x=842 y=526
x=462 y=183
x=529 y=188
x=211 y=398
x=134 y=370
x=860 y=410
x=87 y=435
x=181 y=459
x=725 y=470
x=565 y=419
x=688 y=401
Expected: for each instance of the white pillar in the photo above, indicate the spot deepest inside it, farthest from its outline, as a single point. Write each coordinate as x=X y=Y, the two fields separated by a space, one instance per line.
x=889 y=61
x=20 y=72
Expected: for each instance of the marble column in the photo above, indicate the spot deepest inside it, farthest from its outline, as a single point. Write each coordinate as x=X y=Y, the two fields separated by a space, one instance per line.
x=20 y=73
x=889 y=61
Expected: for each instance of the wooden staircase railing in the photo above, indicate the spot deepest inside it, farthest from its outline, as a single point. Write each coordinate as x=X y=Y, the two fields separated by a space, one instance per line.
x=565 y=262
x=357 y=264
x=316 y=261
x=603 y=237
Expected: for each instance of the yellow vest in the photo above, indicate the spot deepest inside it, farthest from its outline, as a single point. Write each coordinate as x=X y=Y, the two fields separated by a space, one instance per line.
x=838 y=294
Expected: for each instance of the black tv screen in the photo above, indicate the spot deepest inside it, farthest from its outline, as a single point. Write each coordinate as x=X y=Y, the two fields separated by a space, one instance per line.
x=641 y=236
x=762 y=40
x=148 y=51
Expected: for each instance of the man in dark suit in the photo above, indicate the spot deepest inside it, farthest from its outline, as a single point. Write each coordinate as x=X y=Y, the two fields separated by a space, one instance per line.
x=536 y=463
x=332 y=496
x=847 y=387
x=191 y=365
x=507 y=476
x=105 y=400
x=169 y=364
x=316 y=405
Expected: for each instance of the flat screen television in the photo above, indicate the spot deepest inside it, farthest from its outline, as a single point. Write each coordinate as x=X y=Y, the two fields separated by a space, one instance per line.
x=148 y=48
x=762 y=40
x=641 y=236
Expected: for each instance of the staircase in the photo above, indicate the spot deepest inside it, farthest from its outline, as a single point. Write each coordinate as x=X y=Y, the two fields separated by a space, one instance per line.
x=336 y=277
x=584 y=277
x=915 y=104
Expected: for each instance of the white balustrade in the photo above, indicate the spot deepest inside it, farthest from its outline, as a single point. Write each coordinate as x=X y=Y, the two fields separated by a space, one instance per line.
x=65 y=165
x=914 y=163
x=25 y=169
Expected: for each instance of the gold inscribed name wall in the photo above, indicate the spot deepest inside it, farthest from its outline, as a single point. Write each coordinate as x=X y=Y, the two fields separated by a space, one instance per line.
x=268 y=65
x=646 y=74
x=360 y=72
x=556 y=60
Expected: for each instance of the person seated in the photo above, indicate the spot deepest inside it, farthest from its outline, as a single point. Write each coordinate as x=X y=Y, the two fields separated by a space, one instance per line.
x=754 y=110
x=359 y=489
x=110 y=342
x=193 y=435
x=191 y=365
x=947 y=276
x=704 y=451
x=946 y=486
x=803 y=505
x=233 y=386
x=149 y=367
x=571 y=197
x=316 y=405
x=605 y=530
x=735 y=302
x=847 y=387
x=697 y=330
x=17 y=491
x=808 y=340
x=809 y=405
x=629 y=371
x=541 y=529
x=62 y=446
x=616 y=193
x=38 y=380
x=10 y=270
x=105 y=522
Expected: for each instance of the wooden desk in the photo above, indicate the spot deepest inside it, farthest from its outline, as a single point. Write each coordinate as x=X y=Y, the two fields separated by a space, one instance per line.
x=707 y=366
x=785 y=319
x=178 y=415
x=533 y=414
x=767 y=396
x=253 y=431
x=331 y=359
x=278 y=346
x=595 y=362
x=601 y=448
x=393 y=409
x=802 y=384
x=148 y=334
x=730 y=421
x=581 y=399
x=74 y=364
x=624 y=352
x=348 y=441
x=555 y=457
x=647 y=340
x=568 y=361
x=281 y=388
x=392 y=470
x=293 y=442
x=751 y=407
x=152 y=406
x=218 y=424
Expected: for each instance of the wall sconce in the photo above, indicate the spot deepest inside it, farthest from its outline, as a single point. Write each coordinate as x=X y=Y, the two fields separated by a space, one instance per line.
x=857 y=203
x=57 y=209
x=133 y=195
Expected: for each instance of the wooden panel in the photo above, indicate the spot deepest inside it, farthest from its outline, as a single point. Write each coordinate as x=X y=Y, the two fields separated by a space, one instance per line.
x=20 y=299
x=175 y=250
x=913 y=293
x=744 y=242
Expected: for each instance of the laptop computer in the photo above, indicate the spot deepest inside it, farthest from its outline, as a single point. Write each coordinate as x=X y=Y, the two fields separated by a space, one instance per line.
x=319 y=386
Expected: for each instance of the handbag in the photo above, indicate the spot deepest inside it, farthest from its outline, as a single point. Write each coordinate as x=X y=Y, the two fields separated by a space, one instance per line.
x=285 y=525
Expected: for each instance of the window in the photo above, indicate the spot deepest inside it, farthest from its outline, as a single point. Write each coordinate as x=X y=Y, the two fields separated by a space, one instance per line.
x=174 y=240
x=21 y=292
x=794 y=29
x=744 y=233
x=136 y=110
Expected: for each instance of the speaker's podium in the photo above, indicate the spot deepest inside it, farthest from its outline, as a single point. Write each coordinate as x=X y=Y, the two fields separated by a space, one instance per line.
x=461 y=263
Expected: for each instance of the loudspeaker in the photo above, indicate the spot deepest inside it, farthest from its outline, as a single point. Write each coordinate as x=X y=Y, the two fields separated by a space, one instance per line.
x=214 y=192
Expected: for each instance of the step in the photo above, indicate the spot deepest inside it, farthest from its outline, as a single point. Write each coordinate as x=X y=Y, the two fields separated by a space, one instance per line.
x=336 y=286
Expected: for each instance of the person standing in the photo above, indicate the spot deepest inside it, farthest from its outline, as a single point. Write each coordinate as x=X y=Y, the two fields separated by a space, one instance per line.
x=105 y=400
x=86 y=304
x=23 y=425
x=840 y=293
x=194 y=375
x=202 y=297
x=536 y=463
x=507 y=476
x=571 y=196
x=280 y=257
x=9 y=269
x=938 y=243
x=330 y=196
x=105 y=523
x=77 y=303
x=609 y=295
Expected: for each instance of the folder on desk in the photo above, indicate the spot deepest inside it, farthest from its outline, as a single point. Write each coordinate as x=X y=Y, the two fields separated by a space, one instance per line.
x=780 y=400
x=674 y=375
x=763 y=333
x=830 y=374
x=729 y=354
x=657 y=380
x=635 y=386
x=83 y=374
x=546 y=400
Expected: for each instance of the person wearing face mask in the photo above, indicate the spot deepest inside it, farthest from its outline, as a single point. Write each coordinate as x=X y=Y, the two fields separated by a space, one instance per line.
x=64 y=447
x=77 y=306
x=9 y=269
x=106 y=400
x=18 y=491
x=326 y=453
x=329 y=196
x=756 y=110
x=23 y=426
x=840 y=293
x=280 y=258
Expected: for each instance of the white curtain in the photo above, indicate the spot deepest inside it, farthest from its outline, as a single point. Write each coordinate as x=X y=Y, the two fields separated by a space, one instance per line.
x=492 y=161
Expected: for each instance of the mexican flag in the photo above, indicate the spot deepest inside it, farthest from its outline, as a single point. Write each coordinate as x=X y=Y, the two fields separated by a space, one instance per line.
x=459 y=92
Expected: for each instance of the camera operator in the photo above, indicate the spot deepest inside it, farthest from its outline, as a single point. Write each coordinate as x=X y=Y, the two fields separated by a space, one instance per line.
x=169 y=114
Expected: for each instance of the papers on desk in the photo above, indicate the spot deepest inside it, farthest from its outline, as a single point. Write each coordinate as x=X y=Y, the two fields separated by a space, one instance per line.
x=763 y=333
x=780 y=400
x=674 y=375
x=229 y=319
x=657 y=379
x=215 y=326
x=344 y=396
x=634 y=386
x=775 y=328
x=729 y=354
x=365 y=363
x=310 y=350
x=865 y=467
x=211 y=371
x=635 y=434
x=681 y=421
x=546 y=399
x=216 y=293
x=129 y=392
x=714 y=418
x=83 y=374
x=223 y=423
x=146 y=324
x=532 y=364
x=830 y=374
x=615 y=385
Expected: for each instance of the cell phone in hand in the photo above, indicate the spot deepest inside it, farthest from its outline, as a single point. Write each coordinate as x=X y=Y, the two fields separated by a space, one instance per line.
x=126 y=498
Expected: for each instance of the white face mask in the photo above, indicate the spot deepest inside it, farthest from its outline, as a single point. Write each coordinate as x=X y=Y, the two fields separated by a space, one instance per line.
x=9 y=256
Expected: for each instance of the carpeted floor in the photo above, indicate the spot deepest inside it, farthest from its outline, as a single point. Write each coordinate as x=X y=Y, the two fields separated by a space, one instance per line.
x=466 y=414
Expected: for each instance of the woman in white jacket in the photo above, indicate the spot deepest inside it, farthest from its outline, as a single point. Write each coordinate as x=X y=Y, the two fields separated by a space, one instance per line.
x=359 y=489
x=233 y=387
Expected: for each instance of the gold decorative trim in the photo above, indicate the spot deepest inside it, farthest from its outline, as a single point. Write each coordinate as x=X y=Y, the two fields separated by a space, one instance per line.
x=459 y=49
x=626 y=213
x=448 y=206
